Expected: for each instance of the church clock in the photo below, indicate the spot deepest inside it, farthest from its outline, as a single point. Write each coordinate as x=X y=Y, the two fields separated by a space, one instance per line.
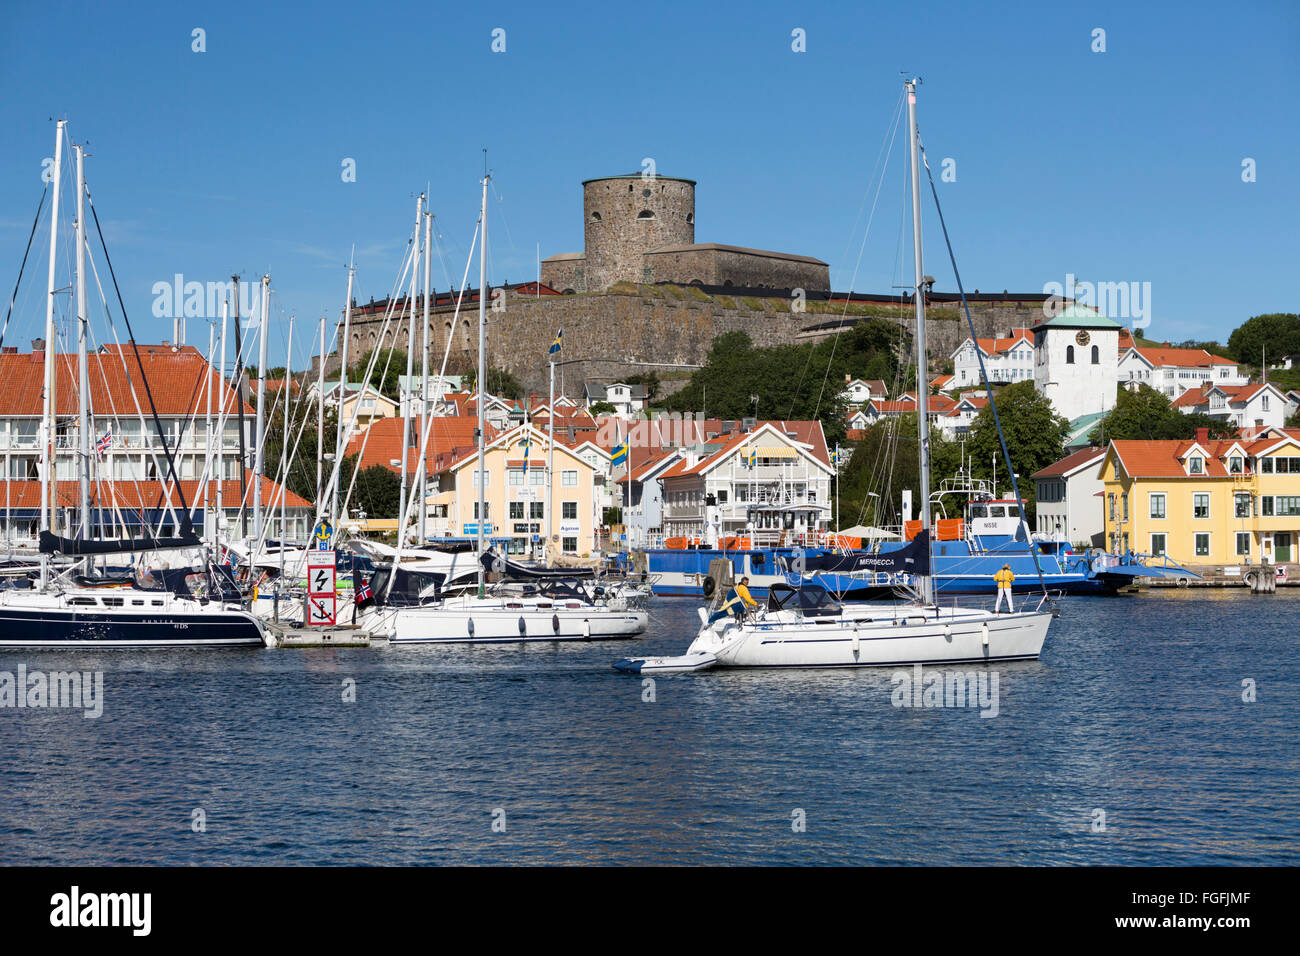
x=1082 y=337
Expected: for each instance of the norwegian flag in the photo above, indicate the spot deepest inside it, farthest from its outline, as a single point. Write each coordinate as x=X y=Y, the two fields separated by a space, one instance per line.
x=103 y=444
x=365 y=595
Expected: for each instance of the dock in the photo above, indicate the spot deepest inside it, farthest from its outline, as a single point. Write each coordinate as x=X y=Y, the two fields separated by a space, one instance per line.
x=339 y=636
x=1258 y=578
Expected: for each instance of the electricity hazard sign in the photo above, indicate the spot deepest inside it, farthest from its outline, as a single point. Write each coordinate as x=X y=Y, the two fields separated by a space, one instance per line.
x=320 y=610
x=320 y=574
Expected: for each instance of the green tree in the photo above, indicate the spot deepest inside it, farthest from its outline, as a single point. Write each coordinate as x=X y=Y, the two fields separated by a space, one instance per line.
x=601 y=408
x=1275 y=334
x=791 y=381
x=499 y=382
x=378 y=492
x=885 y=463
x=389 y=368
x=651 y=382
x=291 y=430
x=1148 y=415
x=1035 y=437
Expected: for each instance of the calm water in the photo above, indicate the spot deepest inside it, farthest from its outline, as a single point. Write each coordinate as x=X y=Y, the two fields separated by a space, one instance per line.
x=1135 y=709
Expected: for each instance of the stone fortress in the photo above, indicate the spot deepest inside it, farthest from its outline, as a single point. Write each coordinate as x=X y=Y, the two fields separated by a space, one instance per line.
x=641 y=229
x=644 y=296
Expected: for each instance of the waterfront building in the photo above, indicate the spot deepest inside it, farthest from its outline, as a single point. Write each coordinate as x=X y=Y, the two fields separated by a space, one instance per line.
x=1228 y=501
x=1007 y=360
x=516 y=496
x=1258 y=406
x=131 y=486
x=1173 y=371
x=857 y=390
x=1068 y=498
x=774 y=478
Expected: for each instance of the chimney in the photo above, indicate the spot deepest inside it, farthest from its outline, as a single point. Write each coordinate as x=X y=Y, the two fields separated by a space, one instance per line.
x=38 y=345
x=1202 y=436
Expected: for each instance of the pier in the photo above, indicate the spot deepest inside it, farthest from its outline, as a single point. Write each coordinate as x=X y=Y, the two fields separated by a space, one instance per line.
x=1259 y=578
x=340 y=636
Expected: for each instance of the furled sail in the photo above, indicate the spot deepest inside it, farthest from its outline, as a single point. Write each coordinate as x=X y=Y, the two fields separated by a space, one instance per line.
x=54 y=544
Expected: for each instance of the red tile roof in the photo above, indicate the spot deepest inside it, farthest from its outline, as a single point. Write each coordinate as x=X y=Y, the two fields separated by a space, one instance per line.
x=1180 y=358
x=1070 y=462
x=1165 y=458
x=127 y=494
x=447 y=433
x=177 y=378
x=807 y=432
x=993 y=346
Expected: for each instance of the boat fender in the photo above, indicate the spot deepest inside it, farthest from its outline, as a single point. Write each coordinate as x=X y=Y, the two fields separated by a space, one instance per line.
x=984 y=634
x=704 y=615
x=709 y=586
x=523 y=627
x=586 y=629
x=947 y=632
x=1183 y=582
x=857 y=641
x=471 y=627
x=555 y=623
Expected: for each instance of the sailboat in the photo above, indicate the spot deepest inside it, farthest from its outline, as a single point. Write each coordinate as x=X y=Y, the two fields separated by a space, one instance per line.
x=808 y=627
x=180 y=606
x=408 y=604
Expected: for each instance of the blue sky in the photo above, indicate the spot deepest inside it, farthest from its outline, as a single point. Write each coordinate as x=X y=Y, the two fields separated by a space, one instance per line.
x=1117 y=166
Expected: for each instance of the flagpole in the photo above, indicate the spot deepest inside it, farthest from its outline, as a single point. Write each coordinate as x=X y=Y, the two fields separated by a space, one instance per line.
x=550 y=465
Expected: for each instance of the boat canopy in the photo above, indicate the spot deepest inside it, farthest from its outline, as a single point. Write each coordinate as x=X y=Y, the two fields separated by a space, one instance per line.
x=410 y=588
x=515 y=571
x=812 y=599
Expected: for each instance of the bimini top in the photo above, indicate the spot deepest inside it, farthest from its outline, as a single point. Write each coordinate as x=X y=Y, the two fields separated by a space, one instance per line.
x=812 y=599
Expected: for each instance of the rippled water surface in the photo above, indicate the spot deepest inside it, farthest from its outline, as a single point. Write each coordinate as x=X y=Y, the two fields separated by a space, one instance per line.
x=1135 y=710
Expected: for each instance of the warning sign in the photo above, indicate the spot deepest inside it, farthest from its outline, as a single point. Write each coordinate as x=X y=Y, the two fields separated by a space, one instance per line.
x=320 y=610
x=320 y=574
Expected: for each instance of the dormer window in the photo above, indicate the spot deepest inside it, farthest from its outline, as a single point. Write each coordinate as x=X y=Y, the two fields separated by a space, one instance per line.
x=1196 y=465
x=1235 y=465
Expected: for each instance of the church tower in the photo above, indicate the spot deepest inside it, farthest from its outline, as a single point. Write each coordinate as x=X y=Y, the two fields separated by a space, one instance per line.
x=1076 y=362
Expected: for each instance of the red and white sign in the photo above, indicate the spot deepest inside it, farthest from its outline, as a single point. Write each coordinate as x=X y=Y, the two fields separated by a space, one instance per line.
x=1281 y=573
x=320 y=611
x=321 y=590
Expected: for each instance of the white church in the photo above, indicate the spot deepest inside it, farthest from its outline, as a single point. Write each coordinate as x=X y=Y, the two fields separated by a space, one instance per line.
x=1076 y=363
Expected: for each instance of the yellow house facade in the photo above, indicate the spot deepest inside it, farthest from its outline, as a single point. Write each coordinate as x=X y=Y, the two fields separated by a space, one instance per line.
x=521 y=507
x=1202 y=501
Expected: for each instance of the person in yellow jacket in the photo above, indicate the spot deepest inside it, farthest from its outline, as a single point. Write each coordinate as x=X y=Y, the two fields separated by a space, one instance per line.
x=1004 y=578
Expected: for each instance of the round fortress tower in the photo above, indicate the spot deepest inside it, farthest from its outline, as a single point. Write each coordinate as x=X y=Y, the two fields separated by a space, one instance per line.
x=627 y=216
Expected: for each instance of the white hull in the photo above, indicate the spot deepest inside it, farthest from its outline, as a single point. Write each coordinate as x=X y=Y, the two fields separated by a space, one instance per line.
x=862 y=640
x=489 y=621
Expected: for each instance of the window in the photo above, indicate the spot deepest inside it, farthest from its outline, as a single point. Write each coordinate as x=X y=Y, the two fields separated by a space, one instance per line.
x=1157 y=501
x=516 y=477
x=1157 y=544
x=487 y=479
x=1263 y=403
x=536 y=509
x=1124 y=502
x=1196 y=465
x=569 y=479
x=1243 y=542
x=1241 y=505
x=536 y=476
x=569 y=545
x=487 y=510
x=1069 y=355
x=1202 y=544
x=1096 y=355
x=1234 y=465
x=569 y=510
x=1111 y=499
x=1200 y=505
x=1288 y=505
x=516 y=511
x=1266 y=506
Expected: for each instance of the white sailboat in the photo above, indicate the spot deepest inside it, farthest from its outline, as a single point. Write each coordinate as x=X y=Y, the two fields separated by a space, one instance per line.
x=406 y=602
x=808 y=627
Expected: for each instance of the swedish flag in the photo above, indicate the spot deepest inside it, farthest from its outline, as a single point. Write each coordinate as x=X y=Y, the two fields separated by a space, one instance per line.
x=527 y=443
x=558 y=343
x=751 y=458
x=619 y=455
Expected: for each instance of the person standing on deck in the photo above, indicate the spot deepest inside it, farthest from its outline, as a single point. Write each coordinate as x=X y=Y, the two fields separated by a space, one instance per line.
x=1003 y=579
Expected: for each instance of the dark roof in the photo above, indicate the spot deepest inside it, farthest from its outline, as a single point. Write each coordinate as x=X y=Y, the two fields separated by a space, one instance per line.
x=638 y=175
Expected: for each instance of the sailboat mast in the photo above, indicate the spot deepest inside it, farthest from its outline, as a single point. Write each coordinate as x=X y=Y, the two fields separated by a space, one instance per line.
x=343 y=384
x=482 y=375
x=221 y=427
x=918 y=292
x=83 y=372
x=259 y=440
x=424 y=376
x=410 y=368
x=320 y=413
x=48 y=398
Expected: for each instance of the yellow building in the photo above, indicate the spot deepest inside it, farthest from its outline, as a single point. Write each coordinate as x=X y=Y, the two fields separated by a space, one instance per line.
x=519 y=504
x=1226 y=501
